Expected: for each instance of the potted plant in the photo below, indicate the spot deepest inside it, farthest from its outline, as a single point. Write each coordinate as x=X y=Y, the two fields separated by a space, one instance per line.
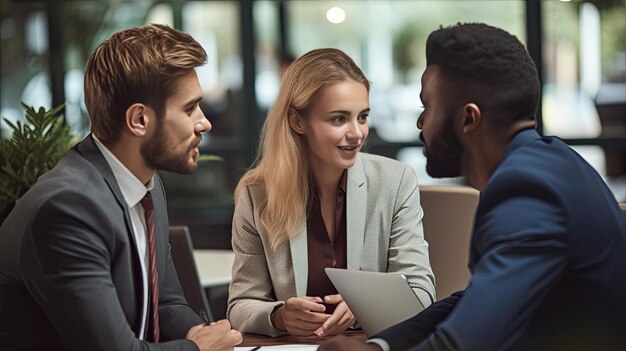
x=34 y=147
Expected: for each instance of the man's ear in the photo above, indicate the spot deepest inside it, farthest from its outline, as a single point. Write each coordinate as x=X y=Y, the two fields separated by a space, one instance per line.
x=295 y=121
x=137 y=120
x=472 y=117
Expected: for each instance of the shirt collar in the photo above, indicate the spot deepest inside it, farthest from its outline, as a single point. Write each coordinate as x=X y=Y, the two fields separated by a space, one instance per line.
x=131 y=187
x=341 y=188
x=343 y=183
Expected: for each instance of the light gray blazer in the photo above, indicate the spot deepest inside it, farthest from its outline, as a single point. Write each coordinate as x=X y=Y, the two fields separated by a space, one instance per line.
x=384 y=234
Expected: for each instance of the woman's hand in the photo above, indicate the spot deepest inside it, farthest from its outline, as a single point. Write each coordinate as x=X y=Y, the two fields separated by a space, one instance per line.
x=339 y=321
x=300 y=315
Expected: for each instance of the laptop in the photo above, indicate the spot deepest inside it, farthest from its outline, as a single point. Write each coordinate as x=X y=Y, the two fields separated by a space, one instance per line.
x=377 y=300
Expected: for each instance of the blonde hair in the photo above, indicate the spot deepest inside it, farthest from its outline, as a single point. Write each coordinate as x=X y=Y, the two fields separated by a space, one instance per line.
x=282 y=166
x=137 y=65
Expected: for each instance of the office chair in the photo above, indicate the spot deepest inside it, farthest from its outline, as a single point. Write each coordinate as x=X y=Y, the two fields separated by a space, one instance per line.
x=448 y=221
x=182 y=255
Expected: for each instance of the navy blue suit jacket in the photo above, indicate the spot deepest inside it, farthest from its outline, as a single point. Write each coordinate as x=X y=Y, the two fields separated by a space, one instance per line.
x=548 y=262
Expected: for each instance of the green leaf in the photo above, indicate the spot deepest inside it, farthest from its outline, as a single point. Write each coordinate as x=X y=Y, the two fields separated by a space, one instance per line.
x=34 y=147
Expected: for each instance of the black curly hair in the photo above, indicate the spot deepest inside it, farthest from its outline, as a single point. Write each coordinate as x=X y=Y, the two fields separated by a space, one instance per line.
x=491 y=65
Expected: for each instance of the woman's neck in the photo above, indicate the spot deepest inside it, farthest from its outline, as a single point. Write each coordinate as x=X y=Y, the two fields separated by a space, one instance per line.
x=326 y=180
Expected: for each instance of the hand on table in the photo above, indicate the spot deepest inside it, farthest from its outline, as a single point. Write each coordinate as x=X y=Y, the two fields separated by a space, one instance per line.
x=341 y=319
x=217 y=336
x=346 y=344
x=300 y=315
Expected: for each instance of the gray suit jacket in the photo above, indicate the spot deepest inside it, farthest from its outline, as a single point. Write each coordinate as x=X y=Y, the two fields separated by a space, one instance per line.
x=384 y=232
x=69 y=270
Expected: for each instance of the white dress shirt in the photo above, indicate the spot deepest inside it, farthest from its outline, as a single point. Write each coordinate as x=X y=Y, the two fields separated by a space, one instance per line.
x=380 y=342
x=133 y=190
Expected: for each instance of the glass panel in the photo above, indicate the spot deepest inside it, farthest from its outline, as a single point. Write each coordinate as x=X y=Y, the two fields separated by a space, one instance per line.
x=596 y=157
x=203 y=200
x=26 y=70
x=386 y=39
x=584 y=69
x=86 y=24
x=161 y=13
x=215 y=24
x=584 y=92
x=267 y=53
x=24 y=63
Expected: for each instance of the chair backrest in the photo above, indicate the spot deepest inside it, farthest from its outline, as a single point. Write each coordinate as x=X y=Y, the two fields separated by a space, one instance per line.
x=182 y=255
x=448 y=221
x=622 y=205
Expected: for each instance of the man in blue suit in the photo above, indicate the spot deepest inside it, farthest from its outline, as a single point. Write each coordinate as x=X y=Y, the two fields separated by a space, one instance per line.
x=548 y=251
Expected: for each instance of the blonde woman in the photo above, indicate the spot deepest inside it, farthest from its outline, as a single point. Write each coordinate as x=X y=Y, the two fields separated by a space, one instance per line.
x=312 y=201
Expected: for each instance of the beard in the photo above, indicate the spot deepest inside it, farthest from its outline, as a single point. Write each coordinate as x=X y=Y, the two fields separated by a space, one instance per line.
x=444 y=154
x=161 y=153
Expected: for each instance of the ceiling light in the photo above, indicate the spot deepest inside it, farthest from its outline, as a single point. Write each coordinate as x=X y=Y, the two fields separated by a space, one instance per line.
x=335 y=15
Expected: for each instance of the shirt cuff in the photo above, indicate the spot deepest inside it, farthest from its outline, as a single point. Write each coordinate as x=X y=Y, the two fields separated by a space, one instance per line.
x=380 y=342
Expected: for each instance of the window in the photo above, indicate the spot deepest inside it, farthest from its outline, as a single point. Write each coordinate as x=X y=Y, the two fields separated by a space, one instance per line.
x=583 y=64
x=386 y=39
x=584 y=90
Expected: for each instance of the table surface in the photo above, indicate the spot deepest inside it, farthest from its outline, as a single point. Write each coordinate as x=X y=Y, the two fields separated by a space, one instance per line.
x=261 y=340
x=214 y=266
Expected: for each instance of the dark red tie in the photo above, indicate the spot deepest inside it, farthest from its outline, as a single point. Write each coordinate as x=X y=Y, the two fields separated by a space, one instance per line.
x=146 y=202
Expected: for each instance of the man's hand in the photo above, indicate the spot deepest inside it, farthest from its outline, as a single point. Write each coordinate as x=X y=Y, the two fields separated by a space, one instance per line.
x=340 y=320
x=346 y=344
x=300 y=315
x=217 y=336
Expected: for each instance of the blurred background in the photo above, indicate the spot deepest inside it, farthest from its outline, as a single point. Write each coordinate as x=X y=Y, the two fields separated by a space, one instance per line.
x=579 y=47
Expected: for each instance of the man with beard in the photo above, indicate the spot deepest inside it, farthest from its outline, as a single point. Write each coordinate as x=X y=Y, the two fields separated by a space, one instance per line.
x=84 y=255
x=547 y=251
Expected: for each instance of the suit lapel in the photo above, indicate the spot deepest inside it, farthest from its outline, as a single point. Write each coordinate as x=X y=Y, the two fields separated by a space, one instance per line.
x=88 y=149
x=299 y=259
x=355 y=214
x=91 y=152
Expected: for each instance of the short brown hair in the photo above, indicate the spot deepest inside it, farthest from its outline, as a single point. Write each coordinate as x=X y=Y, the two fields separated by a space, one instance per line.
x=137 y=65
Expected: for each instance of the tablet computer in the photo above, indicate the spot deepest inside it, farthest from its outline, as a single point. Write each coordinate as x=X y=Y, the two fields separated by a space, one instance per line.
x=377 y=300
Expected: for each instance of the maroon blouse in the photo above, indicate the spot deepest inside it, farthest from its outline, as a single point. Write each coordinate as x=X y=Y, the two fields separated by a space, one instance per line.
x=321 y=251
